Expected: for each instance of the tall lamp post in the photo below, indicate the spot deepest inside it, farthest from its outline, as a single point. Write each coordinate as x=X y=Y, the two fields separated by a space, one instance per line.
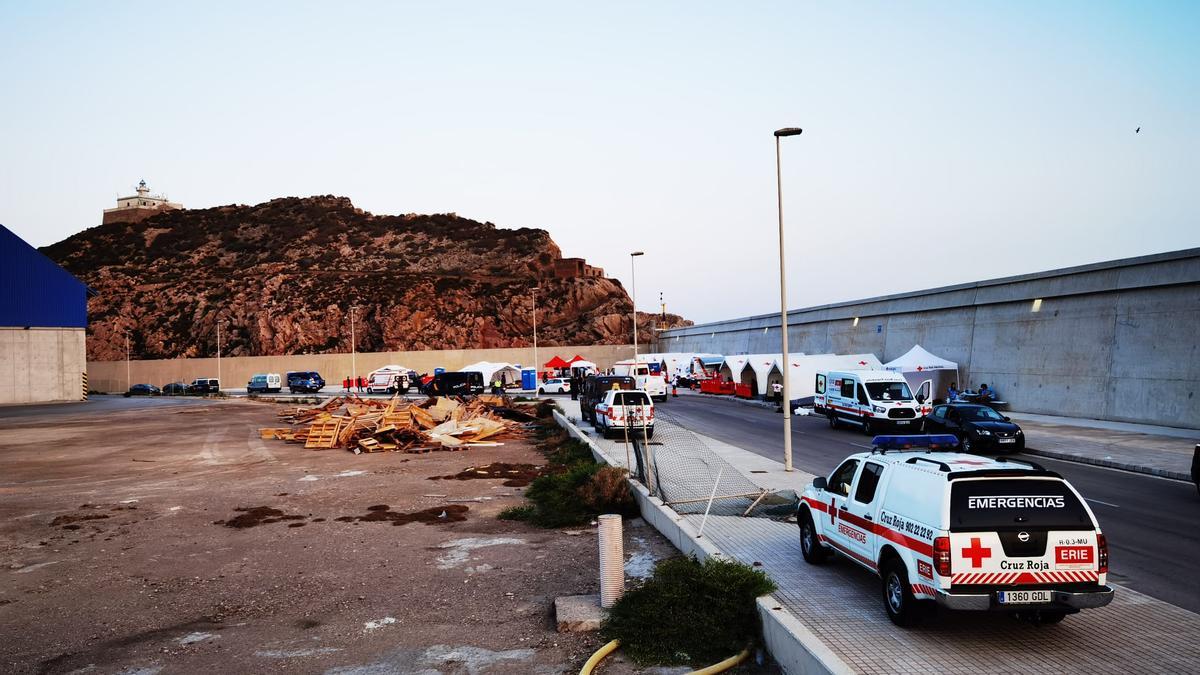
x=536 y=367
x=783 y=318
x=633 y=296
x=353 y=347
x=219 y=383
x=128 y=384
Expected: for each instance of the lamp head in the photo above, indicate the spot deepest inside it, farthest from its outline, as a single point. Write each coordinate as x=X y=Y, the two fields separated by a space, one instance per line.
x=788 y=131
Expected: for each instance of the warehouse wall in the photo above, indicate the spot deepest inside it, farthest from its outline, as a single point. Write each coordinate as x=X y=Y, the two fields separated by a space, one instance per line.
x=41 y=364
x=1118 y=340
x=110 y=376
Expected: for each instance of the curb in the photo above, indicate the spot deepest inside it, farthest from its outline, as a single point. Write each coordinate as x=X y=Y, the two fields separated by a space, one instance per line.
x=793 y=646
x=1110 y=463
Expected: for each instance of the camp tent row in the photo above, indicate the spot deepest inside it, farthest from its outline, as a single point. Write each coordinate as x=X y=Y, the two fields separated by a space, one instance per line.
x=761 y=371
x=505 y=372
x=676 y=364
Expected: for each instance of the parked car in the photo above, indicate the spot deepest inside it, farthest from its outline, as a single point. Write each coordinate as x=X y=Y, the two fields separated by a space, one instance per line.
x=174 y=389
x=1196 y=466
x=458 y=383
x=305 y=382
x=554 y=385
x=957 y=531
x=204 y=385
x=977 y=427
x=264 y=382
x=143 y=390
x=625 y=409
x=872 y=400
x=595 y=387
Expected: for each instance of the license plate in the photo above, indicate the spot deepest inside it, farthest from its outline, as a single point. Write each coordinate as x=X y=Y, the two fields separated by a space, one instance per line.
x=1008 y=440
x=902 y=422
x=1023 y=597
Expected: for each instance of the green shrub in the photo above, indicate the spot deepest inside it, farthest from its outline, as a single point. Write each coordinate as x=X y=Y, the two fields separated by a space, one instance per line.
x=608 y=492
x=690 y=613
x=556 y=498
x=523 y=513
x=570 y=453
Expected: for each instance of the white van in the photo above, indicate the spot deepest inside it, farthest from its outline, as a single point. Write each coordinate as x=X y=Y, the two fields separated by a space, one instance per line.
x=388 y=381
x=265 y=382
x=654 y=385
x=873 y=400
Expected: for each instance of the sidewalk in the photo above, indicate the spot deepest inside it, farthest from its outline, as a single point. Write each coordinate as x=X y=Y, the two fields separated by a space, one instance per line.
x=829 y=618
x=1142 y=448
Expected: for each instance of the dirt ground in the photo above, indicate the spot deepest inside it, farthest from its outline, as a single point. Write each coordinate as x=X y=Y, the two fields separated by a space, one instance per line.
x=143 y=539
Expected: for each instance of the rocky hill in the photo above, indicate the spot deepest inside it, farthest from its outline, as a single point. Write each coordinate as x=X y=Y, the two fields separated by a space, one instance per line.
x=284 y=275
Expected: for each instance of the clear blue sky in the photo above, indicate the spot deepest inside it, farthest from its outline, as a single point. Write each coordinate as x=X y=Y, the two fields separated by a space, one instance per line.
x=943 y=143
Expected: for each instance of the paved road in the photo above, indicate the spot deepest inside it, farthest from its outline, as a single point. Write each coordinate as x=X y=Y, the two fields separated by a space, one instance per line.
x=99 y=404
x=1150 y=522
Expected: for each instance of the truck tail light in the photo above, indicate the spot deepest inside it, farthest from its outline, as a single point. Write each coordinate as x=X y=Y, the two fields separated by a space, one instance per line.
x=1102 y=553
x=941 y=556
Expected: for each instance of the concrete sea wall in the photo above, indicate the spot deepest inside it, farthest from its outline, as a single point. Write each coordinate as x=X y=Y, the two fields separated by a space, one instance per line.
x=110 y=376
x=1118 y=340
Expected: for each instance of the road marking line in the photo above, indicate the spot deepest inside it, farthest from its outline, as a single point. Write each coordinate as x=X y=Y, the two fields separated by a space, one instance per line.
x=1097 y=501
x=1042 y=458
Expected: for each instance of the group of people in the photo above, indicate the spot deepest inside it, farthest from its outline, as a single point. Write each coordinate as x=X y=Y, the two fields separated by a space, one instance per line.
x=984 y=395
x=350 y=383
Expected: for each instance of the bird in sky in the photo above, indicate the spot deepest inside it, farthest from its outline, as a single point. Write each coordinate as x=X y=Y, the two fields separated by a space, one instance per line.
x=1137 y=130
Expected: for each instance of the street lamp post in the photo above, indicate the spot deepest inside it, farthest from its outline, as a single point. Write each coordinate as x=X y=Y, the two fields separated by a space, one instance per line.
x=633 y=297
x=353 y=347
x=219 y=383
x=536 y=367
x=128 y=383
x=783 y=318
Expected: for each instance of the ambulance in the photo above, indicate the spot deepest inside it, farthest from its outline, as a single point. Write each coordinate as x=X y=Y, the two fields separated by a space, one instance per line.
x=647 y=376
x=872 y=400
x=942 y=528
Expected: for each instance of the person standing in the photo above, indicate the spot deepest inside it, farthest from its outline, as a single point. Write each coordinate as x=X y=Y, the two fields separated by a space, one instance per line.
x=952 y=394
x=346 y=384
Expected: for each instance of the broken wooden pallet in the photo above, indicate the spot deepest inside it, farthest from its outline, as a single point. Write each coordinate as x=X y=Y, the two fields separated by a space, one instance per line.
x=323 y=435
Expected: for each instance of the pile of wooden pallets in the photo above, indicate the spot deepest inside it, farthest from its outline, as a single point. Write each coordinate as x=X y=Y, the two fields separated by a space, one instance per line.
x=397 y=425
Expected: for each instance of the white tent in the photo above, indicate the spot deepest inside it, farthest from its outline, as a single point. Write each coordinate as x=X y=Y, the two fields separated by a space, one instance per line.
x=505 y=372
x=763 y=370
x=803 y=369
x=918 y=365
x=731 y=367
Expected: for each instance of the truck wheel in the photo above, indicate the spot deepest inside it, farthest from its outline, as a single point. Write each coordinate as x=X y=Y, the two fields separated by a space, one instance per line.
x=898 y=599
x=965 y=443
x=541 y=392
x=867 y=427
x=833 y=420
x=810 y=546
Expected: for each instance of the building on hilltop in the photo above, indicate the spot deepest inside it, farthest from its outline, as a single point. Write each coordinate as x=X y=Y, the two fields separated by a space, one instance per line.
x=568 y=268
x=139 y=207
x=43 y=319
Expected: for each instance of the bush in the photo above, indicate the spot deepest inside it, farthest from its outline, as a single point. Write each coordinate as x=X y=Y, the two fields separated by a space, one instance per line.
x=608 y=492
x=523 y=513
x=690 y=613
x=556 y=498
x=570 y=453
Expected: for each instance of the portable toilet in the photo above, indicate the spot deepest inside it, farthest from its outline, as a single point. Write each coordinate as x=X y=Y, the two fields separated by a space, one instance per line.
x=529 y=379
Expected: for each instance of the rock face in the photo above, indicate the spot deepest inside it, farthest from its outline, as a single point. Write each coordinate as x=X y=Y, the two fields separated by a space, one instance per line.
x=284 y=275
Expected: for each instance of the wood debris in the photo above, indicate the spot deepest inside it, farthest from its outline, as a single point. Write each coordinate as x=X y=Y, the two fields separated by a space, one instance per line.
x=398 y=425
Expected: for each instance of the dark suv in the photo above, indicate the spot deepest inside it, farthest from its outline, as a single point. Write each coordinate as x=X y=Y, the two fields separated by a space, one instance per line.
x=978 y=427
x=468 y=383
x=204 y=385
x=305 y=382
x=592 y=392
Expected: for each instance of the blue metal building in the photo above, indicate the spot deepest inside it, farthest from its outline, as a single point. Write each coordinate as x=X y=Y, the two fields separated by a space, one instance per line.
x=43 y=318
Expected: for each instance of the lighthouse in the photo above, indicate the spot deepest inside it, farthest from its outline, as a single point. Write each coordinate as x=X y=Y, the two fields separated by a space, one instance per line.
x=138 y=207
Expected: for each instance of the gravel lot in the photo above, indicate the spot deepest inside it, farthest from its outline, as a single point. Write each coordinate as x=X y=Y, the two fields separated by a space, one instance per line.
x=117 y=553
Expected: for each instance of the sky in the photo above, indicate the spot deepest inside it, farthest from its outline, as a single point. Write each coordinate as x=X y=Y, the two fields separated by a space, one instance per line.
x=943 y=143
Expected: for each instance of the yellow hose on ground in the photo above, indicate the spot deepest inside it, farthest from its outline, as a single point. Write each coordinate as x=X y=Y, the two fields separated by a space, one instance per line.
x=722 y=666
x=598 y=657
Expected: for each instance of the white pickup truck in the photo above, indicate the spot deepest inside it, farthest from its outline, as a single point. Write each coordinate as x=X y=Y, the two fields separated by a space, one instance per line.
x=958 y=530
x=622 y=409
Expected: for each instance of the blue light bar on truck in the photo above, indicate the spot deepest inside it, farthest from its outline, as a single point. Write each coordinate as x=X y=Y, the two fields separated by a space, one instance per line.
x=931 y=441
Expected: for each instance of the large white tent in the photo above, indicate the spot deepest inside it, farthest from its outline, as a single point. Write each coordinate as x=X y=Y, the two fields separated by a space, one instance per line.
x=731 y=367
x=505 y=372
x=918 y=365
x=803 y=369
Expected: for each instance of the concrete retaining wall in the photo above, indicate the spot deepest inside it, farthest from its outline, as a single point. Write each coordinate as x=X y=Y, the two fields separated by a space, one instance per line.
x=39 y=365
x=1116 y=341
x=110 y=376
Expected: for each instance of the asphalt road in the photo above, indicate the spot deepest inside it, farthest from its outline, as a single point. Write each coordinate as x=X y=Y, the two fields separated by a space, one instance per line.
x=1154 y=543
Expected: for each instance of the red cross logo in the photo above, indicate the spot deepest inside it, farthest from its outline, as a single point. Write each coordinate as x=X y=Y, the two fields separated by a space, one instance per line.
x=862 y=363
x=971 y=462
x=920 y=368
x=976 y=552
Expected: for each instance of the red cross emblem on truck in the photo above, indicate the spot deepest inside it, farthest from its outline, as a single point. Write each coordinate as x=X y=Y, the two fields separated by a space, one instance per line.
x=976 y=552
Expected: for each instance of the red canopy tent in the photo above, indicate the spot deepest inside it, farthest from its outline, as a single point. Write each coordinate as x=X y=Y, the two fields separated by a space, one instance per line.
x=577 y=358
x=556 y=363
